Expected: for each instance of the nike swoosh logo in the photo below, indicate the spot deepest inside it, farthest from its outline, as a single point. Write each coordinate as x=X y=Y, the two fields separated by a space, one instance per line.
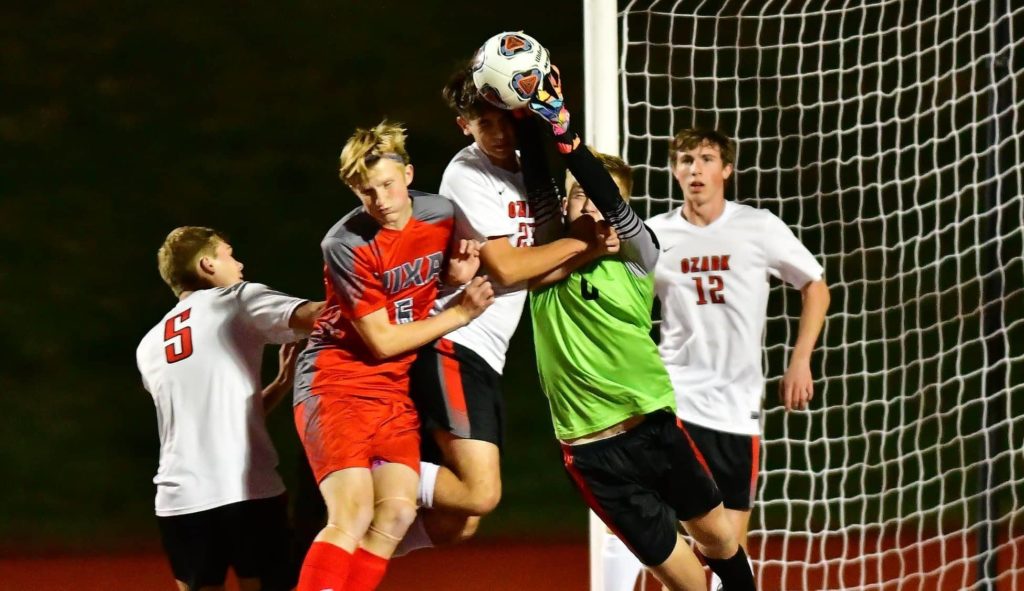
x=668 y=248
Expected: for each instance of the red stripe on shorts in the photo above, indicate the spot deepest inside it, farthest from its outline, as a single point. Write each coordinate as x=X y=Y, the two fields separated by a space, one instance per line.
x=755 y=465
x=588 y=495
x=451 y=383
x=693 y=446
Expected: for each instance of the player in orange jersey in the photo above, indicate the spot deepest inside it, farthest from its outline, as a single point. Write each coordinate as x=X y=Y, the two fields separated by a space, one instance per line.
x=382 y=263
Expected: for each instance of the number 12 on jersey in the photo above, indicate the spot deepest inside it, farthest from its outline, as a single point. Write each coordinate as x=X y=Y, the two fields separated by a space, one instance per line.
x=714 y=291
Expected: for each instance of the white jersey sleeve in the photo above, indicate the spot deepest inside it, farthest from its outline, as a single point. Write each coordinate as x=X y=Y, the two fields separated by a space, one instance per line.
x=787 y=258
x=269 y=312
x=490 y=202
x=478 y=198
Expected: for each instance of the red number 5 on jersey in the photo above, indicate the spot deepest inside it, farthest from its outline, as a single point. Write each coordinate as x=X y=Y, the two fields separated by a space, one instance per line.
x=178 y=338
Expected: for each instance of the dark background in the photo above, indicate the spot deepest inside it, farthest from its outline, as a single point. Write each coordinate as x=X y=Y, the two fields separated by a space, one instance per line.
x=123 y=120
x=120 y=121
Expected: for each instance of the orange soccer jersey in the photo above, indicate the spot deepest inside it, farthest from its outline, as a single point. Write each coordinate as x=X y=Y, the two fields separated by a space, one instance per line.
x=367 y=268
x=351 y=408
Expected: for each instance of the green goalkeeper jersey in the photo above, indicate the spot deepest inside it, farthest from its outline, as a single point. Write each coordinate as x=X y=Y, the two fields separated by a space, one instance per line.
x=597 y=362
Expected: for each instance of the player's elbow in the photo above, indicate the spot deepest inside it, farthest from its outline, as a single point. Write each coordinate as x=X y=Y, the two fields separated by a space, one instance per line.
x=380 y=348
x=504 y=276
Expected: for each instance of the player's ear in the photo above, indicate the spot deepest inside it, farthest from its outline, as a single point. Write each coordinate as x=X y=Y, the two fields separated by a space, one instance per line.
x=463 y=125
x=727 y=171
x=408 y=174
x=205 y=265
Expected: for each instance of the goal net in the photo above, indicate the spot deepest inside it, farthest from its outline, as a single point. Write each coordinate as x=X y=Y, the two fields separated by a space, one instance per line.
x=890 y=136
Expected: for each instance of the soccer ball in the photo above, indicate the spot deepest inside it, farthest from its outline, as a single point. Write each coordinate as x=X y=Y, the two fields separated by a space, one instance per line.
x=509 y=69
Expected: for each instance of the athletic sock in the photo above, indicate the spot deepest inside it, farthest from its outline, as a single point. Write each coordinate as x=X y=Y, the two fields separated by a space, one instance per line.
x=367 y=571
x=428 y=479
x=620 y=567
x=326 y=568
x=716 y=583
x=734 y=572
x=416 y=538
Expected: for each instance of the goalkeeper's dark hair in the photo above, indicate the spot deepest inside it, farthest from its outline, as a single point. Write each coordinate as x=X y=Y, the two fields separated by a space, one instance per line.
x=692 y=137
x=462 y=95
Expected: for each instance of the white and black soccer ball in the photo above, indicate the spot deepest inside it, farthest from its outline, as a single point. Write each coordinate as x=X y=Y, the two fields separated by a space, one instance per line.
x=509 y=69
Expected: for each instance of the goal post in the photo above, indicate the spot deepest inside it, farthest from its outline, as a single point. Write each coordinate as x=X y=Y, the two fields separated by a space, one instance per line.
x=889 y=135
x=601 y=106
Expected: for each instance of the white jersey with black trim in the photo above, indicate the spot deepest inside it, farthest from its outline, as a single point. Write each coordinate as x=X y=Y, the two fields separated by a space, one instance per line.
x=490 y=202
x=201 y=364
x=713 y=285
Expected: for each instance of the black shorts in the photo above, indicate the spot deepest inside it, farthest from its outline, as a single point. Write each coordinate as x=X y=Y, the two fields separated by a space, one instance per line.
x=643 y=482
x=734 y=462
x=252 y=537
x=456 y=391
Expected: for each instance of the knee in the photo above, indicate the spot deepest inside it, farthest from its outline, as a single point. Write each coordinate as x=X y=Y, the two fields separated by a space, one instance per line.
x=394 y=516
x=484 y=498
x=716 y=543
x=352 y=516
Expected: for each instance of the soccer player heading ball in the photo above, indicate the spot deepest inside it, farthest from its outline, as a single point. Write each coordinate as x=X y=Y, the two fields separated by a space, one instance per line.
x=610 y=396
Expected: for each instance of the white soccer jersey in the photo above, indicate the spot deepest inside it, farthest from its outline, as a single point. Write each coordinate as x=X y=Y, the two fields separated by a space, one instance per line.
x=490 y=202
x=713 y=286
x=202 y=363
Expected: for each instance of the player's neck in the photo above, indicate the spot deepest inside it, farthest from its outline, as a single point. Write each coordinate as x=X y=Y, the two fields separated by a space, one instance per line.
x=511 y=164
x=703 y=214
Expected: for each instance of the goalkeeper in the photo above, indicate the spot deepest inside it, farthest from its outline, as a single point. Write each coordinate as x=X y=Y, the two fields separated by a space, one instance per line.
x=610 y=396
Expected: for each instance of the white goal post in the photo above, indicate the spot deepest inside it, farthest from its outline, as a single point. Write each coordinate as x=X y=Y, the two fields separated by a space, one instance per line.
x=890 y=136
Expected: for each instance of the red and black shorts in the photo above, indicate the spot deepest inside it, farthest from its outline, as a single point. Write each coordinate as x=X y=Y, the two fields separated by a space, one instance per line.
x=643 y=482
x=734 y=461
x=252 y=537
x=456 y=391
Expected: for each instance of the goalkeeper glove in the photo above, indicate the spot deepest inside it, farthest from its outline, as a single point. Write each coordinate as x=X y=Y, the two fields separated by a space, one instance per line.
x=549 y=104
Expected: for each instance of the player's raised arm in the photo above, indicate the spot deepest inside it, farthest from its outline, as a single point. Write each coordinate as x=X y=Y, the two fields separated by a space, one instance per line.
x=541 y=189
x=639 y=246
x=546 y=203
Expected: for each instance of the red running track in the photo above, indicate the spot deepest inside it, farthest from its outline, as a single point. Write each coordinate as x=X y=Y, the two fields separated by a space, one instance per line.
x=516 y=565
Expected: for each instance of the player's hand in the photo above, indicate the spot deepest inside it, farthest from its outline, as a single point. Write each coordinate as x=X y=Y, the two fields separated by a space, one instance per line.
x=463 y=262
x=477 y=297
x=549 y=104
x=287 y=354
x=797 y=386
x=607 y=239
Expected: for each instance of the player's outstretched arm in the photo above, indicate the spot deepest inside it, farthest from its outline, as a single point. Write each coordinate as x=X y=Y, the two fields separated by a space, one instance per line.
x=797 y=386
x=605 y=242
x=387 y=340
x=304 y=316
x=282 y=384
x=509 y=264
x=637 y=241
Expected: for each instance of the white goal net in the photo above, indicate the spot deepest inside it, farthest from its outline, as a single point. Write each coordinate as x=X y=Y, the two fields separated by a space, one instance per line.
x=890 y=136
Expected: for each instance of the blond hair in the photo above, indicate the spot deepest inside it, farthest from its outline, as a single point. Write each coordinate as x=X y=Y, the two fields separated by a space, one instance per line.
x=179 y=253
x=615 y=166
x=367 y=146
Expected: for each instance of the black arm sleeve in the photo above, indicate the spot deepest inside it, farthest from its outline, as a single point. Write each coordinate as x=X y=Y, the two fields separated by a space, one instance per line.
x=541 y=189
x=639 y=245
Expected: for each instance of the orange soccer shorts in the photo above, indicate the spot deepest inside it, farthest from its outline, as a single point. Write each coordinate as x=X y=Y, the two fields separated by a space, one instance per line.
x=341 y=431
